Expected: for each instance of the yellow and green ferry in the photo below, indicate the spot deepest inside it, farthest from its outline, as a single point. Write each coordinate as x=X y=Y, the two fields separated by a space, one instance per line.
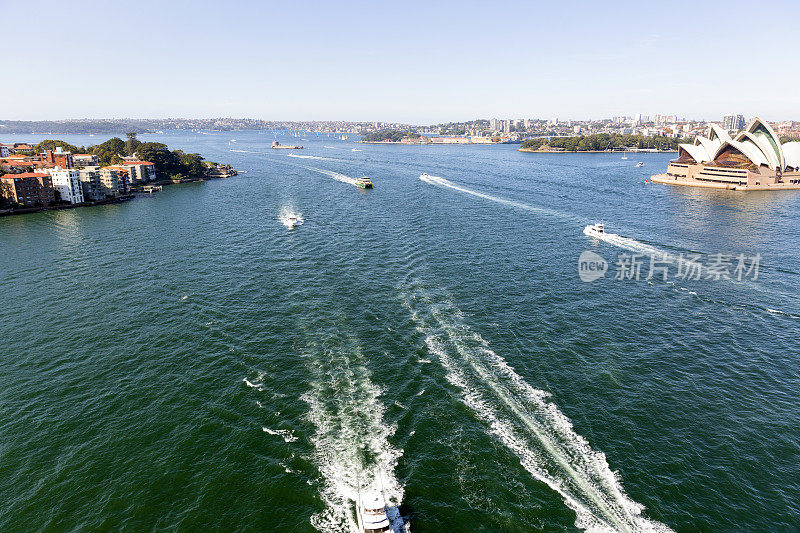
x=364 y=183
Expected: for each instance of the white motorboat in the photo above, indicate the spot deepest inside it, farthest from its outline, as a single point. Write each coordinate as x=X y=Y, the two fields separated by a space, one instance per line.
x=291 y=220
x=595 y=230
x=624 y=157
x=374 y=516
x=640 y=164
x=371 y=513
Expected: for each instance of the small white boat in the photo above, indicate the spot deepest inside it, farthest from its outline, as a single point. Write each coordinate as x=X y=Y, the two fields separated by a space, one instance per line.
x=293 y=222
x=624 y=157
x=639 y=164
x=595 y=230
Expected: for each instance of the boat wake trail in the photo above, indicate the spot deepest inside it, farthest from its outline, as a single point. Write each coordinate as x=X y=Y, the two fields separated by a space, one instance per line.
x=635 y=246
x=313 y=157
x=334 y=175
x=523 y=418
x=442 y=182
x=352 y=449
x=657 y=254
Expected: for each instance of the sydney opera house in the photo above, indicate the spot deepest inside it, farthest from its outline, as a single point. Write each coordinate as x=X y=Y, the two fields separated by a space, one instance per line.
x=753 y=159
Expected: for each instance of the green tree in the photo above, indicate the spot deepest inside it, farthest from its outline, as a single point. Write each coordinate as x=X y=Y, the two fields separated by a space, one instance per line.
x=132 y=143
x=191 y=164
x=52 y=144
x=166 y=163
x=389 y=135
x=109 y=150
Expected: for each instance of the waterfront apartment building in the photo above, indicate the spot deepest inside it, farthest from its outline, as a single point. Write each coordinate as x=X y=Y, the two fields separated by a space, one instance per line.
x=22 y=148
x=116 y=180
x=58 y=158
x=30 y=189
x=140 y=172
x=4 y=152
x=67 y=181
x=85 y=160
x=92 y=184
x=113 y=181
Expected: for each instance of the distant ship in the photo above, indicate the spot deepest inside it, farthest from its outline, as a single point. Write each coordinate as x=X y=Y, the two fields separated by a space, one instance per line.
x=278 y=146
x=639 y=164
x=364 y=183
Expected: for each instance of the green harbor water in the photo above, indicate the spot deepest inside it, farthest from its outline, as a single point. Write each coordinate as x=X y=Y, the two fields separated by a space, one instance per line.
x=187 y=362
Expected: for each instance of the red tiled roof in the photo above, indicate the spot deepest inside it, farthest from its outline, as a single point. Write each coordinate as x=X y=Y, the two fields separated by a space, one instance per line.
x=118 y=168
x=24 y=175
x=23 y=163
x=136 y=163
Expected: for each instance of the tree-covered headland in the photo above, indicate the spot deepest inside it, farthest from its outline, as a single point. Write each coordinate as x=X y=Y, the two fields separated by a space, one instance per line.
x=170 y=164
x=389 y=136
x=603 y=141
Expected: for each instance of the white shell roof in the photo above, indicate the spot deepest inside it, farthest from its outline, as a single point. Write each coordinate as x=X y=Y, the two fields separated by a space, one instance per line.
x=791 y=154
x=758 y=142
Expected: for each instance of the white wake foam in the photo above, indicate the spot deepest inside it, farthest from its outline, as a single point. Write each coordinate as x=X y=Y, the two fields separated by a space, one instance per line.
x=298 y=156
x=335 y=175
x=442 y=182
x=287 y=213
x=257 y=383
x=352 y=449
x=524 y=419
x=287 y=434
x=697 y=270
x=633 y=245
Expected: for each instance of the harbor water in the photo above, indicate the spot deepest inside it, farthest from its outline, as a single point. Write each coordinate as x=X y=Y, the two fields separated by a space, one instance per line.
x=189 y=361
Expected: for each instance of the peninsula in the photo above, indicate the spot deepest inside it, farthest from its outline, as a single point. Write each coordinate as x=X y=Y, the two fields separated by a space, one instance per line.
x=601 y=142
x=54 y=174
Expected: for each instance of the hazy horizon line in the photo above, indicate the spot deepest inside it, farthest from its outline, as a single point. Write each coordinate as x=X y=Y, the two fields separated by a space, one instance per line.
x=499 y=117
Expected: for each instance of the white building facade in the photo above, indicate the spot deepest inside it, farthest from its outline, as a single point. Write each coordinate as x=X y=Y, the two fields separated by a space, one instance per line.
x=67 y=181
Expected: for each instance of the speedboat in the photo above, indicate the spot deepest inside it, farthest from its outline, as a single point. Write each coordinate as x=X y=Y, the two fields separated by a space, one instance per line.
x=293 y=222
x=371 y=511
x=595 y=230
x=639 y=164
x=364 y=183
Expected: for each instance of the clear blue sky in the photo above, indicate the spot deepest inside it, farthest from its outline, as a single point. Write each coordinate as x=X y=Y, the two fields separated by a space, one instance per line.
x=411 y=61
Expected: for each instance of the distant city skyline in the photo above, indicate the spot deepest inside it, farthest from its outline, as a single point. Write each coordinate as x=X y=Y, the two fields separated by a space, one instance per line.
x=416 y=62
